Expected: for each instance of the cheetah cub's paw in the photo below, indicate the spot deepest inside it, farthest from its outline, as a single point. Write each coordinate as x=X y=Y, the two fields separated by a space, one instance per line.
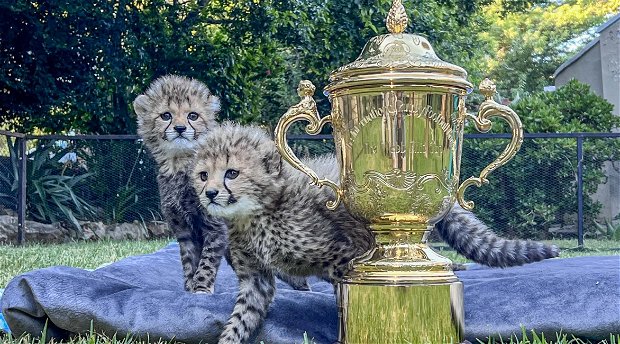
x=189 y=285
x=201 y=288
x=296 y=282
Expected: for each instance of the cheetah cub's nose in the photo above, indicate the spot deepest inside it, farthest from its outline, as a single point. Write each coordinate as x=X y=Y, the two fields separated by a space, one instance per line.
x=180 y=129
x=211 y=193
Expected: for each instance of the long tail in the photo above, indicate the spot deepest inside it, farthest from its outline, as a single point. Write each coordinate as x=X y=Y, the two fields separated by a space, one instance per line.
x=469 y=236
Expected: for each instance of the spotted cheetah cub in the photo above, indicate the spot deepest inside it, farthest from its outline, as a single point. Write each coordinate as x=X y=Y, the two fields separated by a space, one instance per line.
x=276 y=220
x=173 y=114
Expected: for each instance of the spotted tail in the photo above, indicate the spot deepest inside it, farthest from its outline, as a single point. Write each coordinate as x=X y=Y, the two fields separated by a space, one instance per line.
x=470 y=237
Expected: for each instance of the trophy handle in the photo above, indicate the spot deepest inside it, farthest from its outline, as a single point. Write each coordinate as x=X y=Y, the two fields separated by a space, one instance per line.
x=489 y=108
x=304 y=110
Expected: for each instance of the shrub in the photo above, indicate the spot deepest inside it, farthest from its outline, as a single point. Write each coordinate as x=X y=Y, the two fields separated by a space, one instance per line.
x=50 y=187
x=72 y=181
x=123 y=182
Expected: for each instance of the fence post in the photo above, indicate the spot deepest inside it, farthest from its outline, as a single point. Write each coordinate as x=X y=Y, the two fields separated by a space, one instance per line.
x=21 y=207
x=580 y=191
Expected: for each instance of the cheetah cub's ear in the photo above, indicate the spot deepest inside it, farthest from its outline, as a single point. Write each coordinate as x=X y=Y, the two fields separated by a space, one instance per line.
x=273 y=162
x=142 y=104
x=212 y=103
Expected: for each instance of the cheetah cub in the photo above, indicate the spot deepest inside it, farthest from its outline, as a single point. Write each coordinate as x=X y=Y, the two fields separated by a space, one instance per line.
x=173 y=114
x=278 y=221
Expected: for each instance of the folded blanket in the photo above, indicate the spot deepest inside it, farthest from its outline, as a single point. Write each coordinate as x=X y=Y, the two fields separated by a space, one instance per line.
x=144 y=295
x=4 y=327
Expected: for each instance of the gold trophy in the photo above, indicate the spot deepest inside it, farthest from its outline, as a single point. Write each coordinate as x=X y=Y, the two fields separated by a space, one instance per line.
x=398 y=114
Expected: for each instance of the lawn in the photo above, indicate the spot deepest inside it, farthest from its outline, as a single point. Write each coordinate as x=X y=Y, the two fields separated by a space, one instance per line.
x=90 y=255
x=86 y=255
x=91 y=338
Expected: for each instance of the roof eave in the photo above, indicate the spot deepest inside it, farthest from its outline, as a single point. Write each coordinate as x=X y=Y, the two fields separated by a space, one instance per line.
x=576 y=57
x=608 y=23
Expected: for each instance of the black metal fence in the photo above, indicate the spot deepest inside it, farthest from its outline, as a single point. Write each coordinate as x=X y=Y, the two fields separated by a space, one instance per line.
x=70 y=179
x=568 y=182
x=558 y=185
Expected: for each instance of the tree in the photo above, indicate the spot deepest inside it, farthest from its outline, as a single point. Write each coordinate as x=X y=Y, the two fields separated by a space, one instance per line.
x=78 y=65
x=63 y=64
x=527 y=47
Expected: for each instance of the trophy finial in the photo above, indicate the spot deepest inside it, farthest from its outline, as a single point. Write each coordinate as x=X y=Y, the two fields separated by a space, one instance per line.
x=306 y=88
x=487 y=88
x=397 y=20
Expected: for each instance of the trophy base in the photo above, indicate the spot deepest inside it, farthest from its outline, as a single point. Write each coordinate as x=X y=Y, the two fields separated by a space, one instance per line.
x=401 y=292
x=397 y=314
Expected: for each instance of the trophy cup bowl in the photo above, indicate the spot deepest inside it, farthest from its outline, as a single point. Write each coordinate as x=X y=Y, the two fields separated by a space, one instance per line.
x=398 y=115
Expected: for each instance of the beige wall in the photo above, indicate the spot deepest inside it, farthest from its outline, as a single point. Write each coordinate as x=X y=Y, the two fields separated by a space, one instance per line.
x=609 y=194
x=586 y=69
x=610 y=66
x=600 y=68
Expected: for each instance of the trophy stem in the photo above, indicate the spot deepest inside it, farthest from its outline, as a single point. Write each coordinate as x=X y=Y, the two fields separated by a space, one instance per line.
x=401 y=292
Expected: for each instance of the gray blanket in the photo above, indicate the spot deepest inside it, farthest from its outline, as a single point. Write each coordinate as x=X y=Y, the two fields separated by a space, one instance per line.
x=144 y=295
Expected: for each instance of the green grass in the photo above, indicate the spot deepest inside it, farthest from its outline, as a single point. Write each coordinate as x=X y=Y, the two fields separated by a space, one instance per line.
x=93 y=338
x=533 y=338
x=90 y=255
x=15 y=260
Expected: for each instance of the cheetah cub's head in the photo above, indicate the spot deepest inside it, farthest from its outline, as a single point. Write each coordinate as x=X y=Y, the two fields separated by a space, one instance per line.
x=174 y=113
x=236 y=171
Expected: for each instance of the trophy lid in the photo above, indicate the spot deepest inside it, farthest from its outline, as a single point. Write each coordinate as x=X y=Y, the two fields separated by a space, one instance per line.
x=398 y=58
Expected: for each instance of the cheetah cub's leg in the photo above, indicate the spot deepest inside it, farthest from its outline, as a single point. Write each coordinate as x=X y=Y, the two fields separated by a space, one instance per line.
x=256 y=290
x=296 y=282
x=189 y=259
x=214 y=247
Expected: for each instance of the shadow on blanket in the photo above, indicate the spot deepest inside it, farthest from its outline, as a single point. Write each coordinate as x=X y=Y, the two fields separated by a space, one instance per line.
x=144 y=294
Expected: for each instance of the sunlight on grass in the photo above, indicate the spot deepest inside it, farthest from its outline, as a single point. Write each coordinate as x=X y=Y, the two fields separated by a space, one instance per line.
x=93 y=338
x=87 y=255
x=89 y=338
x=534 y=338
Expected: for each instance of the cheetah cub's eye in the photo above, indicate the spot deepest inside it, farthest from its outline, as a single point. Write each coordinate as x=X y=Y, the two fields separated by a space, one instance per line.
x=231 y=174
x=166 y=116
x=192 y=116
x=203 y=176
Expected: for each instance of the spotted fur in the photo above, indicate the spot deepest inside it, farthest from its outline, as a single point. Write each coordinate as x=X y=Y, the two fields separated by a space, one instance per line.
x=470 y=237
x=276 y=220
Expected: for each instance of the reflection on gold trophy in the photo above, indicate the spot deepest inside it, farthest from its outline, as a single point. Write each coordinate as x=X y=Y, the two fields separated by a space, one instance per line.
x=398 y=115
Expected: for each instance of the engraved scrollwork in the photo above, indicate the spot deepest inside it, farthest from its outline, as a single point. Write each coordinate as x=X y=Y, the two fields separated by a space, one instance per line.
x=396 y=50
x=403 y=62
x=448 y=181
x=396 y=190
x=397 y=180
